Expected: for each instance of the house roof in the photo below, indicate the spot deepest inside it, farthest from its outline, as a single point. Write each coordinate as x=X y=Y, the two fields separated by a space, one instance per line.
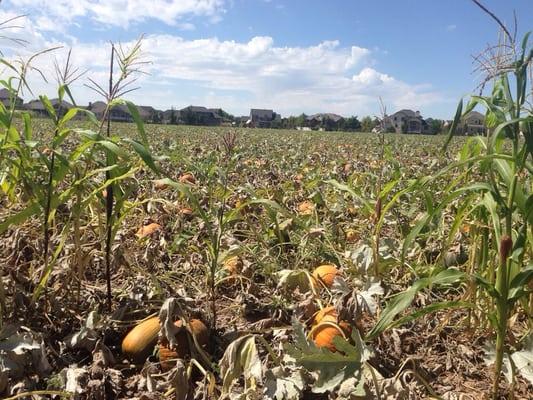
x=195 y=109
x=475 y=114
x=37 y=105
x=406 y=112
x=5 y=94
x=323 y=116
x=261 y=113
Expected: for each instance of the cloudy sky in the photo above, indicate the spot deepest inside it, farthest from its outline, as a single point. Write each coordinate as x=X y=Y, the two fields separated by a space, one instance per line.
x=290 y=55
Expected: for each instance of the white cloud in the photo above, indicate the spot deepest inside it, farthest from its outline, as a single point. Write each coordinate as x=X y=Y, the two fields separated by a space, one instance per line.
x=118 y=12
x=451 y=28
x=325 y=77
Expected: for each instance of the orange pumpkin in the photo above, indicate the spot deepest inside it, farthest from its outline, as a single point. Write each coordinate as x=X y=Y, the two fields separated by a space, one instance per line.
x=167 y=356
x=324 y=333
x=351 y=236
x=141 y=340
x=187 y=178
x=233 y=265
x=147 y=230
x=306 y=208
x=325 y=274
x=325 y=314
x=186 y=212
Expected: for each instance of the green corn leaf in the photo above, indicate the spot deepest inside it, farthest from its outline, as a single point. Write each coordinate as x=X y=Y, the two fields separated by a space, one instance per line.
x=518 y=285
x=28 y=131
x=144 y=153
x=20 y=217
x=113 y=148
x=138 y=121
x=345 y=188
x=69 y=115
x=434 y=307
x=48 y=106
x=404 y=299
x=50 y=266
x=454 y=125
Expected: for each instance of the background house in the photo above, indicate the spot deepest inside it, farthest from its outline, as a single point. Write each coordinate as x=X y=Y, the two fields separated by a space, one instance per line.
x=407 y=121
x=326 y=121
x=171 y=116
x=6 y=97
x=195 y=115
x=261 y=118
x=38 y=108
x=121 y=113
x=472 y=124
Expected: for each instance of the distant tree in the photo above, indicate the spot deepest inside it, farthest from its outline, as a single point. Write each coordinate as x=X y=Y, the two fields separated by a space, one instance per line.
x=301 y=120
x=226 y=116
x=157 y=118
x=276 y=124
x=173 y=116
x=367 y=124
x=436 y=126
x=352 y=124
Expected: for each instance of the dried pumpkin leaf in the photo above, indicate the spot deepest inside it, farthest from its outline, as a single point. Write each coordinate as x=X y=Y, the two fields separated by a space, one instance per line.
x=241 y=358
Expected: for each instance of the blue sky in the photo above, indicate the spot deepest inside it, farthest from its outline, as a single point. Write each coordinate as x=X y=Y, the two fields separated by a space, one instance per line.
x=290 y=55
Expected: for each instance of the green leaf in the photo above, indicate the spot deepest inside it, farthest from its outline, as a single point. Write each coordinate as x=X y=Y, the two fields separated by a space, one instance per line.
x=331 y=368
x=20 y=217
x=138 y=121
x=50 y=265
x=402 y=300
x=454 y=125
x=48 y=106
x=69 y=115
x=518 y=285
x=144 y=153
x=113 y=148
x=345 y=188
x=434 y=307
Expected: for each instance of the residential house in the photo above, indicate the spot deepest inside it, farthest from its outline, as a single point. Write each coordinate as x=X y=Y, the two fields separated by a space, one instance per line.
x=6 y=97
x=195 y=115
x=472 y=124
x=118 y=113
x=121 y=113
x=171 y=116
x=149 y=114
x=38 y=108
x=327 y=121
x=260 y=118
x=407 y=121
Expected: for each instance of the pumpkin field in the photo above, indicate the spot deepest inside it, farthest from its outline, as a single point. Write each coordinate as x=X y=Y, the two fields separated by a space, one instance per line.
x=264 y=243
x=144 y=261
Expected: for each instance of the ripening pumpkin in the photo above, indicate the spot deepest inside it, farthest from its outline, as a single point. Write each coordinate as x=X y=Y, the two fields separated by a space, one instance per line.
x=351 y=236
x=306 y=208
x=324 y=333
x=167 y=356
x=325 y=274
x=325 y=314
x=141 y=340
x=186 y=212
x=187 y=178
x=233 y=265
x=352 y=211
x=147 y=230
